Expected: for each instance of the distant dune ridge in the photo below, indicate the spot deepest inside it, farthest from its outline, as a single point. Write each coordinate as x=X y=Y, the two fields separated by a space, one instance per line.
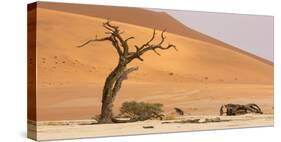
x=203 y=74
x=141 y=17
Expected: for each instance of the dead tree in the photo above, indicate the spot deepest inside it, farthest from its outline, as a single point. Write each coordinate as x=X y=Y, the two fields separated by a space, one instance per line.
x=254 y=108
x=237 y=109
x=114 y=80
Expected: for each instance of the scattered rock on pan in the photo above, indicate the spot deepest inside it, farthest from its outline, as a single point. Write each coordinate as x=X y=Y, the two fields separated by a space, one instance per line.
x=148 y=127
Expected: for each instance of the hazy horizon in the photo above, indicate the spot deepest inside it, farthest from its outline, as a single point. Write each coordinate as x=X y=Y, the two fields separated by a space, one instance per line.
x=251 y=33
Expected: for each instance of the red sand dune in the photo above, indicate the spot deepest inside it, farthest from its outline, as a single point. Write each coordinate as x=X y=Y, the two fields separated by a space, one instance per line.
x=198 y=78
x=141 y=17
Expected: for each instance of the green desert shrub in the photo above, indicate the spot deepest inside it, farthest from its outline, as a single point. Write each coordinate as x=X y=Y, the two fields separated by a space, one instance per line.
x=141 y=111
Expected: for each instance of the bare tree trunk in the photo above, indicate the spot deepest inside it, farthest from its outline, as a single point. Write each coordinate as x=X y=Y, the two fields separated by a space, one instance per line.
x=111 y=87
x=106 y=111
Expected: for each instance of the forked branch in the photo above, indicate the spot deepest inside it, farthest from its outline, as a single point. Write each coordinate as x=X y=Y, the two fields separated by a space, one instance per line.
x=149 y=46
x=122 y=47
x=123 y=76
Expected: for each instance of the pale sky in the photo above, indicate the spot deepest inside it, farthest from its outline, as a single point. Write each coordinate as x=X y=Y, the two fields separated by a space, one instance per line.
x=251 y=33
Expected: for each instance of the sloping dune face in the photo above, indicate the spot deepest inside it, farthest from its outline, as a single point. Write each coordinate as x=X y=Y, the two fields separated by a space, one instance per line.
x=145 y=18
x=198 y=78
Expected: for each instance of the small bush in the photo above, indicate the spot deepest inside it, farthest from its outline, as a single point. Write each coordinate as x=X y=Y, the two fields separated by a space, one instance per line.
x=141 y=111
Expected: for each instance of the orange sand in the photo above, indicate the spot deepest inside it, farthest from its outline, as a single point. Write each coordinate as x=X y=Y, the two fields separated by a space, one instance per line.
x=204 y=75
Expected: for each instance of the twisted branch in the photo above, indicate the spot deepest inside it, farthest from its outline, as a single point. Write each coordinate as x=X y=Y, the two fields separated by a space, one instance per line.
x=123 y=76
x=148 y=46
x=122 y=47
x=92 y=40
